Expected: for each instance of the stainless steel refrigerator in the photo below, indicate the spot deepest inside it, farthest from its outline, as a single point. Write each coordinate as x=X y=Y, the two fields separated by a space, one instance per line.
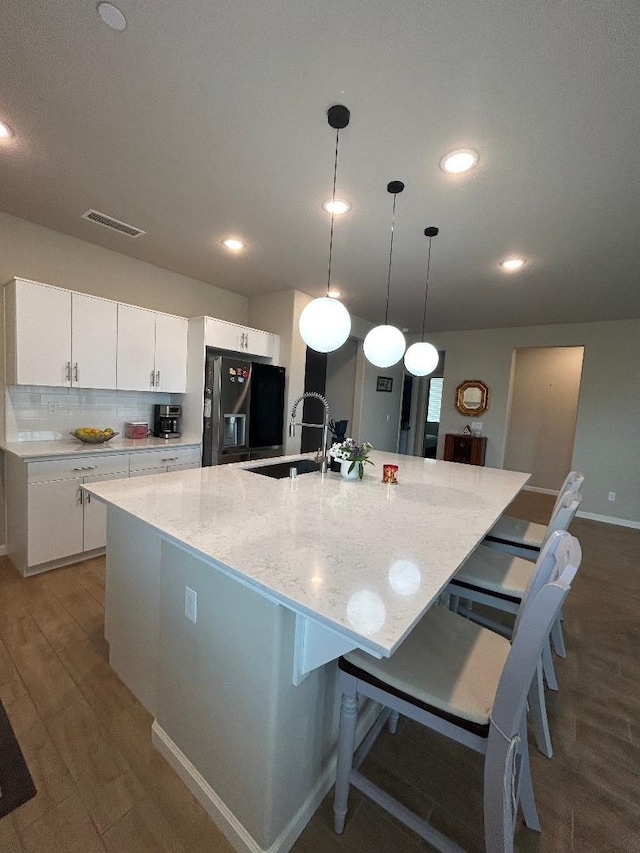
x=243 y=410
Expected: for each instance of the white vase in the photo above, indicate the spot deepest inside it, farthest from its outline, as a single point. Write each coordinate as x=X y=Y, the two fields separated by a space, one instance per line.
x=349 y=475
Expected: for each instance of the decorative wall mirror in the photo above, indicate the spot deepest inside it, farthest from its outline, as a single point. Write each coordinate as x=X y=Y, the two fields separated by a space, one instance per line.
x=472 y=397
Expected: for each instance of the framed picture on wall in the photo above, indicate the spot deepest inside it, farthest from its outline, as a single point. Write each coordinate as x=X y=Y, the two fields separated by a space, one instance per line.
x=385 y=383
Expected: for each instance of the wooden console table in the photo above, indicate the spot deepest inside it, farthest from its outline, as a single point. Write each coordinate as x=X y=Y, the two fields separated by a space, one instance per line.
x=469 y=449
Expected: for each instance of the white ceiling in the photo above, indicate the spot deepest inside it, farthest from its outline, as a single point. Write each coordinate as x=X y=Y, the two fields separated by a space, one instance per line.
x=208 y=118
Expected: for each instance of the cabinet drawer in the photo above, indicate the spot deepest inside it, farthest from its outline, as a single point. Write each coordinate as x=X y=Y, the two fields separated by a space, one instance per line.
x=160 y=459
x=77 y=467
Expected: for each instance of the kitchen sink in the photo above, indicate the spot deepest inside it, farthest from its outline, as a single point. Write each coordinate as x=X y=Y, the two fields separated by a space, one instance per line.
x=280 y=470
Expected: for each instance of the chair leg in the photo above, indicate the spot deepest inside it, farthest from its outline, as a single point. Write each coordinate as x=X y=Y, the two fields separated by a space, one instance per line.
x=538 y=710
x=393 y=722
x=549 y=669
x=527 y=799
x=507 y=781
x=557 y=635
x=346 y=744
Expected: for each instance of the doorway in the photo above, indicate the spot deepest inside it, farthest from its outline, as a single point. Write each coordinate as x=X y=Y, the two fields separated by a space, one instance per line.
x=545 y=388
x=425 y=398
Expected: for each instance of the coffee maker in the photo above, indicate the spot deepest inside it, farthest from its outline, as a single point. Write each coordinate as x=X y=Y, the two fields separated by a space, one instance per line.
x=166 y=421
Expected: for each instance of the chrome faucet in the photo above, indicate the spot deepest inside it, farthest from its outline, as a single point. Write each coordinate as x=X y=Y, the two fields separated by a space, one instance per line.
x=324 y=426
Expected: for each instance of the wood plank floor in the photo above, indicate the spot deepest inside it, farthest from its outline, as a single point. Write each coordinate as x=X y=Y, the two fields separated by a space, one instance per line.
x=101 y=785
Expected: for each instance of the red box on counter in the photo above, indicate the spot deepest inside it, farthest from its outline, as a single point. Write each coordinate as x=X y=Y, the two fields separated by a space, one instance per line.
x=139 y=429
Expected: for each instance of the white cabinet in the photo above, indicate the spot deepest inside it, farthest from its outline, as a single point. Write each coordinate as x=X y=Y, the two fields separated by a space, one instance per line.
x=229 y=336
x=94 y=335
x=152 y=351
x=55 y=521
x=171 y=459
x=59 y=337
x=52 y=521
x=64 y=521
x=95 y=514
x=49 y=520
x=171 y=353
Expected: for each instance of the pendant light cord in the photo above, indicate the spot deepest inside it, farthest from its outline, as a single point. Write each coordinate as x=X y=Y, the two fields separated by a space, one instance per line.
x=393 y=222
x=426 y=290
x=333 y=209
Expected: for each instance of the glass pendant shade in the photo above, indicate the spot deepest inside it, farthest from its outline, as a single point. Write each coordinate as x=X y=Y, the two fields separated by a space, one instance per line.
x=324 y=324
x=384 y=346
x=421 y=359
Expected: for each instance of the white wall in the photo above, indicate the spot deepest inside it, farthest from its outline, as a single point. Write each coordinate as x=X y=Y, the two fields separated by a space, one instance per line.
x=544 y=407
x=32 y=251
x=607 y=440
x=380 y=421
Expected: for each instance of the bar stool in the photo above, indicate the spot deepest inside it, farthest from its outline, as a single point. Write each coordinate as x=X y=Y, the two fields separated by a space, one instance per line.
x=525 y=538
x=499 y=581
x=468 y=683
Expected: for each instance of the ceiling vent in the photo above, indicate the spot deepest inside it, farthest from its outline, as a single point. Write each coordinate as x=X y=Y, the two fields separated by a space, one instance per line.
x=113 y=224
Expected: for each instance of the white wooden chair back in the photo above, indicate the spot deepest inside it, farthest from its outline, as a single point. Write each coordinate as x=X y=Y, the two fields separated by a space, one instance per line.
x=560 y=550
x=564 y=514
x=572 y=483
x=506 y=746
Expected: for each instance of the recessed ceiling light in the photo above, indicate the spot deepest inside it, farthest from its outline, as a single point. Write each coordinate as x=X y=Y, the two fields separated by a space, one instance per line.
x=339 y=206
x=334 y=294
x=5 y=131
x=112 y=17
x=233 y=244
x=459 y=161
x=512 y=263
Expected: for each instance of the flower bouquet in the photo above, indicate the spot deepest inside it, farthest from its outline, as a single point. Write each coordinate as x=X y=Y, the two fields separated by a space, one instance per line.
x=356 y=454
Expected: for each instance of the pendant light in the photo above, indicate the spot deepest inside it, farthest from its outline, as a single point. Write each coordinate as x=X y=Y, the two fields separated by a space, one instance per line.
x=325 y=323
x=384 y=345
x=422 y=358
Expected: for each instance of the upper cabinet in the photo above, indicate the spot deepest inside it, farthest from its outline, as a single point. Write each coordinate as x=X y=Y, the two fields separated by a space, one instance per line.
x=229 y=336
x=58 y=337
x=94 y=336
x=152 y=351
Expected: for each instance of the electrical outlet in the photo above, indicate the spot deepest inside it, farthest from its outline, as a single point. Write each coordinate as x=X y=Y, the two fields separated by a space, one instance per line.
x=191 y=604
x=612 y=496
x=52 y=408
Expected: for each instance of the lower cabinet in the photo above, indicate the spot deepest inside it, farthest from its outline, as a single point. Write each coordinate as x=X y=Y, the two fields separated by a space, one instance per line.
x=160 y=461
x=52 y=521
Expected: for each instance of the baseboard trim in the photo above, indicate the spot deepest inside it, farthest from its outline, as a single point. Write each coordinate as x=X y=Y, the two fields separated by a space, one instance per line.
x=538 y=489
x=226 y=821
x=609 y=519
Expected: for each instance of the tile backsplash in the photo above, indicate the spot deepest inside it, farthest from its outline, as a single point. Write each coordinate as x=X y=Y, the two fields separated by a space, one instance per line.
x=33 y=413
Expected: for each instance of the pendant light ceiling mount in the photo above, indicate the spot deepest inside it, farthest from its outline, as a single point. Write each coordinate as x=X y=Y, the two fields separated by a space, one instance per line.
x=338 y=116
x=422 y=358
x=325 y=323
x=384 y=345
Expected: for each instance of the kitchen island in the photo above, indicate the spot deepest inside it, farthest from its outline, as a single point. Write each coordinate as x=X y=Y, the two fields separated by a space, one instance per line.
x=287 y=575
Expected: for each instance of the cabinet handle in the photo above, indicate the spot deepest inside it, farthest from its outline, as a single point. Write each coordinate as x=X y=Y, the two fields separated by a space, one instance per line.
x=246 y=340
x=171 y=459
x=79 y=496
x=153 y=376
x=88 y=497
x=86 y=468
x=68 y=371
x=157 y=378
x=75 y=372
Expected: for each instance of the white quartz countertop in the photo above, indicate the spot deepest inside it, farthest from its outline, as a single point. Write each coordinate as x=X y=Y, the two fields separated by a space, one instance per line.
x=363 y=558
x=72 y=446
